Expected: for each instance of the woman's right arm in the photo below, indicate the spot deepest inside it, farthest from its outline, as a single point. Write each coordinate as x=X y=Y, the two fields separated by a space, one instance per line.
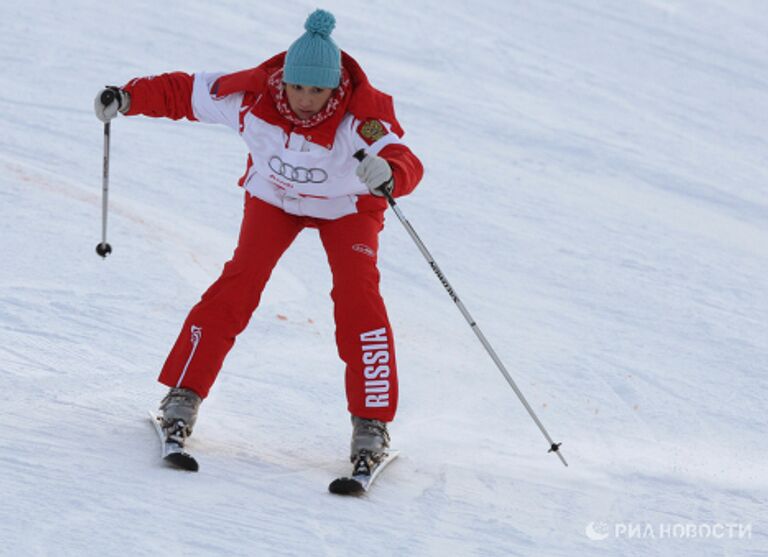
x=174 y=95
x=168 y=95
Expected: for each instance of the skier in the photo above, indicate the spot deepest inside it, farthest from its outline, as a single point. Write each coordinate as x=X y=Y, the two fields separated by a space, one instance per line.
x=303 y=114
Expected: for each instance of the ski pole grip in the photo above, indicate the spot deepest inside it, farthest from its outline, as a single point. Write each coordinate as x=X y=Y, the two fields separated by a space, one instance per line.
x=107 y=97
x=360 y=154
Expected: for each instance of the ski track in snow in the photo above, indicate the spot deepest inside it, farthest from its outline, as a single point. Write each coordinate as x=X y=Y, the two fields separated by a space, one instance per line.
x=594 y=192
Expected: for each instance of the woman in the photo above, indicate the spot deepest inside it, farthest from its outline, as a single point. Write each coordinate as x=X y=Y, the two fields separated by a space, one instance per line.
x=303 y=113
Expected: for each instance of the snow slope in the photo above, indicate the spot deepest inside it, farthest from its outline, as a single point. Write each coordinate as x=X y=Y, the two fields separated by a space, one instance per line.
x=595 y=192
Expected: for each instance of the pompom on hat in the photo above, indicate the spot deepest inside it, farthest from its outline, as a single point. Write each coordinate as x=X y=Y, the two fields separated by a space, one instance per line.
x=314 y=59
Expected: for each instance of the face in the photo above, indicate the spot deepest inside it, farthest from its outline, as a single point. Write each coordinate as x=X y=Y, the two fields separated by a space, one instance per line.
x=305 y=100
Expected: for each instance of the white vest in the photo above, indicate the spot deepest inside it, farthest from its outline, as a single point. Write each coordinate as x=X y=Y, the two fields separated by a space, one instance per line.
x=290 y=171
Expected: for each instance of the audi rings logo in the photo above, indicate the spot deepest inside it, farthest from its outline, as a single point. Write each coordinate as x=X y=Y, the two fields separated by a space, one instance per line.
x=298 y=174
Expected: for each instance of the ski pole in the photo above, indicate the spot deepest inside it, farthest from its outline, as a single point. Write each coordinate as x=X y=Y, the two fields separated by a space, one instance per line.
x=553 y=447
x=103 y=248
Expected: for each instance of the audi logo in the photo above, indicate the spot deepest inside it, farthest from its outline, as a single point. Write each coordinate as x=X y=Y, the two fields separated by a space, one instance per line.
x=298 y=174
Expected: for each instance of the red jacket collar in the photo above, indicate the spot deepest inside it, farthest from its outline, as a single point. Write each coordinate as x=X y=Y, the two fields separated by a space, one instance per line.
x=365 y=102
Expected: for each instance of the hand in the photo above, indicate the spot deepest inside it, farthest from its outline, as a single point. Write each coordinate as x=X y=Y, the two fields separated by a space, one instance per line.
x=376 y=173
x=109 y=101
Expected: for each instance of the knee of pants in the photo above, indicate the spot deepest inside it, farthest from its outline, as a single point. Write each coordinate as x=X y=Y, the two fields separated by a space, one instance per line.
x=353 y=275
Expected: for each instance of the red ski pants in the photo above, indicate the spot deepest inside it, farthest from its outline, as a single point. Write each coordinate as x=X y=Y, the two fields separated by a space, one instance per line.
x=363 y=334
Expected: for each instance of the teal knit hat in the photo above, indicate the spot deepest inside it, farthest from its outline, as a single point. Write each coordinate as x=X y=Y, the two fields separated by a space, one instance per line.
x=314 y=59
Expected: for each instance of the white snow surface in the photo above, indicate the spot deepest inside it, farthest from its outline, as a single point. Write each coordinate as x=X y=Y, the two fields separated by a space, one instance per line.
x=595 y=191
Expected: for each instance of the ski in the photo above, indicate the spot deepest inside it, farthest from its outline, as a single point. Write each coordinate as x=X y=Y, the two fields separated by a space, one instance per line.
x=362 y=477
x=171 y=451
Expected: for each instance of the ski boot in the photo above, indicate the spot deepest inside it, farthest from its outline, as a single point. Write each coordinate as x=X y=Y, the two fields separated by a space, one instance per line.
x=370 y=443
x=369 y=455
x=178 y=414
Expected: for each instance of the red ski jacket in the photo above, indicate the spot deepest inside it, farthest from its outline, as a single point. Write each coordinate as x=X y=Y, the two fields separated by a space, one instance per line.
x=172 y=95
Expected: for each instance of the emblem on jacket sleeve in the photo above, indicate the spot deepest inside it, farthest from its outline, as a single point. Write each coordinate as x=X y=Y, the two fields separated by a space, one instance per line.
x=371 y=131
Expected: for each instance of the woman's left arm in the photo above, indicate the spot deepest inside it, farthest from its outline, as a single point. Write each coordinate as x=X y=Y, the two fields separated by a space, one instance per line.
x=407 y=169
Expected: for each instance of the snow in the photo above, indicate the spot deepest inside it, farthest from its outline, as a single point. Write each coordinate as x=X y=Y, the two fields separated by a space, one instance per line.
x=594 y=192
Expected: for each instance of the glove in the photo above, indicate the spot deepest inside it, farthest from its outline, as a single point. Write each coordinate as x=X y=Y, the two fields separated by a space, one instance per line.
x=376 y=174
x=109 y=101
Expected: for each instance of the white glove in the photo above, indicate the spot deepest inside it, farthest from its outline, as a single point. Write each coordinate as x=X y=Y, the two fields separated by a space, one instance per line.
x=376 y=174
x=109 y=101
